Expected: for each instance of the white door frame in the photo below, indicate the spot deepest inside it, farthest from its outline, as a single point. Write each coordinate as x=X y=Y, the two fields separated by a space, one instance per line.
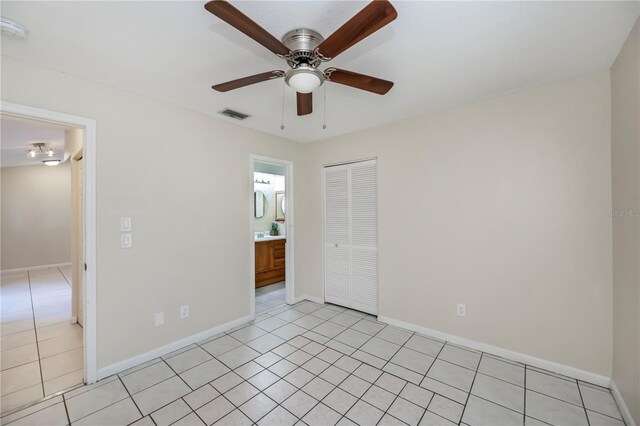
x=89 y=151
x=289 y=251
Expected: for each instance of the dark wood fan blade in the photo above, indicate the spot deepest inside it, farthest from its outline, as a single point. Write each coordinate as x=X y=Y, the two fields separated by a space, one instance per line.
x=232 y=16
x=359 y=81
x=374 y=16
x=246 y=81
x=304 y=102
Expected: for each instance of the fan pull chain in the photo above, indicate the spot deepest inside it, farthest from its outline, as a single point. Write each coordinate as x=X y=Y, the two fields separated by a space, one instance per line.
x=324 y=105
x=282 y=118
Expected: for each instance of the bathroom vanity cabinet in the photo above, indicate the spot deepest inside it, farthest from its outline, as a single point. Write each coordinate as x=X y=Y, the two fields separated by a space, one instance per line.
x=270 y=262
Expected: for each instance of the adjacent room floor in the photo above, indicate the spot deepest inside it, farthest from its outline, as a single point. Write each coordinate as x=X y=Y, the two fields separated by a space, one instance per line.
x=270 y=296
x=41 y=351
x=327 y=365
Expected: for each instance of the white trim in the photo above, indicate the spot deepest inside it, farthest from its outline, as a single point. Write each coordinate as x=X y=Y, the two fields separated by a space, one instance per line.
x=289 y=232
x=309 y=298
x=624 y=410
x=554 y=367
x=35 y=268
x=168 y=348
x=89 y=175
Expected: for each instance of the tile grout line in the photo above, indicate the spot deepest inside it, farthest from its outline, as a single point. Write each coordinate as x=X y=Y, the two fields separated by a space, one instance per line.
x=192 y=410
x=35 y=331
x=464 y=407
x=66 y=409
x=130 y=396
x=583 y=405
x=64 y=276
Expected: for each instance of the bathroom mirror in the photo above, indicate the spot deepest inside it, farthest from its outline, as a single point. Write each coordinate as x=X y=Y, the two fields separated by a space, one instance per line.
x=279 y=206
x=259 y=203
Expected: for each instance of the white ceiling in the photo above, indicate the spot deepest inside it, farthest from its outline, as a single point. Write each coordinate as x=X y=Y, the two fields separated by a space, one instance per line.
x=439 y=54
x=17 y=134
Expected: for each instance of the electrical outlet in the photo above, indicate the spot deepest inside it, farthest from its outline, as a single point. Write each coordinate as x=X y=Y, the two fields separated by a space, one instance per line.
x=159 y=318
x=184 y=311
x=462 y=310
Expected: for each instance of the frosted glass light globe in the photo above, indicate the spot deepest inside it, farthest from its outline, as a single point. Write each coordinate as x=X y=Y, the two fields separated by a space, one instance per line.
x=304 y=82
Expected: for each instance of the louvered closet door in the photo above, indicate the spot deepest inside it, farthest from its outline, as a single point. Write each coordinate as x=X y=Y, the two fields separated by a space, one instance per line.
x=351 y=235
x=336 y=235
x=364 y=236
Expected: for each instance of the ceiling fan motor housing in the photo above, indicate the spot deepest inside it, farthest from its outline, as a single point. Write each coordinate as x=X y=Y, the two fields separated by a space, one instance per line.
x=302 y=43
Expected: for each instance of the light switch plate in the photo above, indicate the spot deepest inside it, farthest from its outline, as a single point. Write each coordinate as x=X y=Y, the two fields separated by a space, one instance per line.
x=159 y=319
x=125 y=224
x=125 y=241
x=461 y=310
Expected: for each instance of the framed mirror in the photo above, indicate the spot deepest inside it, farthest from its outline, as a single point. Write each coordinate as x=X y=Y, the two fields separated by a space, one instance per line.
x=279 y=206
x=259 y=203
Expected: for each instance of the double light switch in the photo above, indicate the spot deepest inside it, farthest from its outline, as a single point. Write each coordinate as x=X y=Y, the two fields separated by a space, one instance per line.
x=125 y=229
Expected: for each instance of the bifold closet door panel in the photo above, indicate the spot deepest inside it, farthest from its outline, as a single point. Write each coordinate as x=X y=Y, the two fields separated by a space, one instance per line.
x=336 y=235
x=364 y=236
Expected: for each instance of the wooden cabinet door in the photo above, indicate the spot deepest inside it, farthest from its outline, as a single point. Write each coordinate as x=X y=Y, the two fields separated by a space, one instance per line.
x=264 y=256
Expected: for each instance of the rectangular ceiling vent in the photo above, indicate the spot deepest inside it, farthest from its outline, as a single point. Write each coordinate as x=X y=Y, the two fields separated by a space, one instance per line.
x=227 y=112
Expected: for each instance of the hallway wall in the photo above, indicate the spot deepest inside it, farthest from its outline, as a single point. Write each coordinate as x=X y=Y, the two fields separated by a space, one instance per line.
x=36 y=215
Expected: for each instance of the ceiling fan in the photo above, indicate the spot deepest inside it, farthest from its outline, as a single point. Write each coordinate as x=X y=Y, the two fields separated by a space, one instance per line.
x=304 y=50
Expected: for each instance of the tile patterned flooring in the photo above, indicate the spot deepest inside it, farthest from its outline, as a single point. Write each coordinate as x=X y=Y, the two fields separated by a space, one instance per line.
x=269 y=297
x=325 y=365
x=41 y=351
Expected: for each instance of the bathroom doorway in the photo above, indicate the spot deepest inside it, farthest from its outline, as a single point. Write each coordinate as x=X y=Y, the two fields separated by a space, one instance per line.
x=271 y=234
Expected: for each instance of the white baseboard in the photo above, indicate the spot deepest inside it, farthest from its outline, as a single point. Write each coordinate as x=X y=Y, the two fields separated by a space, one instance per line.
x=34 y=268
x=504 y=353
x=309 y=298
x=624 y=410
x=173 y=346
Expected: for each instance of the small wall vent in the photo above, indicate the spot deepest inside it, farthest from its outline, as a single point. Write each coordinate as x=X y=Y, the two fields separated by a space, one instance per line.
x=227 y=112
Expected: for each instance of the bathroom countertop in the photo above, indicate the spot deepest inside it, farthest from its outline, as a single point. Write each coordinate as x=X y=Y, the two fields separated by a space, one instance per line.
x=270 y=238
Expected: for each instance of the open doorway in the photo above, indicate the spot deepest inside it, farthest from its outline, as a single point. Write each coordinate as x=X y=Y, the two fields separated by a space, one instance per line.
x=271 y=234
x=42 y=241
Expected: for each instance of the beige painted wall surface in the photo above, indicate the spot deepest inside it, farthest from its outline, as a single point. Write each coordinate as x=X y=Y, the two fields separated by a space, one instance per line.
x=183 y=178
x=36 y=215
x=625 y=164
x=499 y=205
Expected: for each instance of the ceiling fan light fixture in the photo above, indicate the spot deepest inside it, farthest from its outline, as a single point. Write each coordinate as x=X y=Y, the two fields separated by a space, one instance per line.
x=51 y=162
x=304 y=79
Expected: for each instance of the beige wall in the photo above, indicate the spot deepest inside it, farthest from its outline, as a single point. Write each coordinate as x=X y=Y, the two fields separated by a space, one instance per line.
x=36 y=215
x=499 y=205
x=625 y=164
x=161 y=165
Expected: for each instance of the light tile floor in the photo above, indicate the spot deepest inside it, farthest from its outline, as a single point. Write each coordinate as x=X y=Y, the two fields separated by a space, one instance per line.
x=269 y=297
x=324 y=365
x=41 y=351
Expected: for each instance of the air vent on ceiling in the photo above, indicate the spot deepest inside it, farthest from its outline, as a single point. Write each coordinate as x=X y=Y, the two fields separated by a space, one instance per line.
x=233 y=114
